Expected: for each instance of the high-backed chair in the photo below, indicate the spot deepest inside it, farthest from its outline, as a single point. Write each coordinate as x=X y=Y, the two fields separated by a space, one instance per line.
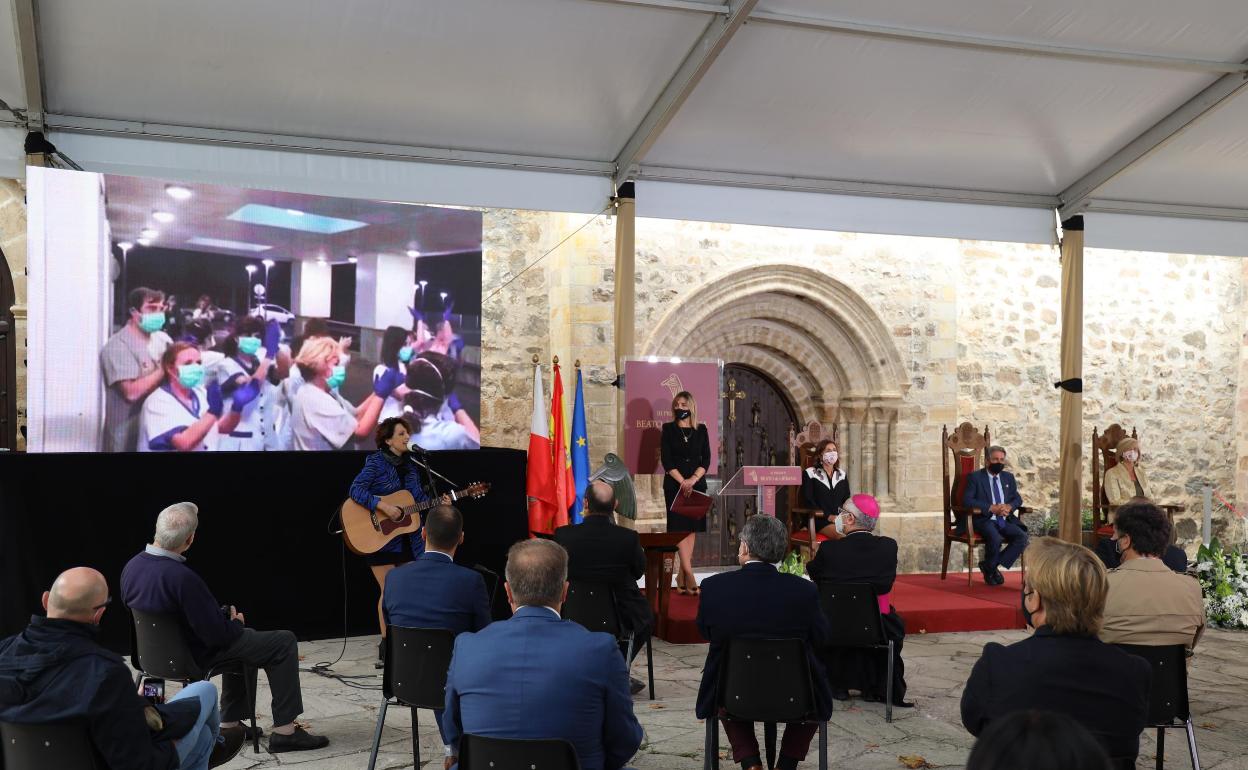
x=60 y=745
x=804 y=521
x=593 y=606
x=962 y=453
x=416 y=663
x=1105 y=456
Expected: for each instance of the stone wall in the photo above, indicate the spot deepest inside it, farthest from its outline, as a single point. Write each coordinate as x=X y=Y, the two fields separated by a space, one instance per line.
x=13 y=243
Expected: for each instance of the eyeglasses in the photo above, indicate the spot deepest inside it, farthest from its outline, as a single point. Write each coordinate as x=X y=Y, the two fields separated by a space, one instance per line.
x=107 y=602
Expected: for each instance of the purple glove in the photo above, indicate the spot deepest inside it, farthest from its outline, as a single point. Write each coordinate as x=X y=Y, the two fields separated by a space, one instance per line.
x=390 y=379
x=216 y=404
x=244 y=396
x=272 y=338
x=417 y=316
x=452 y=401
x=446 y=311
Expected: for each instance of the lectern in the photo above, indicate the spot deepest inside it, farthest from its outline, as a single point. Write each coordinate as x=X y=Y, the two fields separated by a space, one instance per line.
x=761 y=481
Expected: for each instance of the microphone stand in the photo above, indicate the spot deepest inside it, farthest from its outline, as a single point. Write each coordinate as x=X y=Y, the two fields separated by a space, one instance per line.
x=431 y=475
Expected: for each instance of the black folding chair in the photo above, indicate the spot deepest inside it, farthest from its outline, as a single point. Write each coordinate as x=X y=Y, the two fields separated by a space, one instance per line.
x=477 y=752
x=60 y=745
x=1167 y=699
x=159 y=651
x=416 y=663
x=853 y=610
x=593 y=606
x=768 y=681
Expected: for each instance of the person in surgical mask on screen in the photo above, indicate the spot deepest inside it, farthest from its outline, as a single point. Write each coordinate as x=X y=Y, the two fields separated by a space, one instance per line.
x=320 y=418
x=396 y=352
x=186 y=413
x=131 y=368
x=247 y=374
x=1126 y=479
x=825 y=487
x=283 y=438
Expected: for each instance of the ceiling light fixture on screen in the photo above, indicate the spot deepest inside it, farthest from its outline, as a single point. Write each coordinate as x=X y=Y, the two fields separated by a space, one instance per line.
x=268 y=263
x=222 y=243
x=294 y=212
x=149 y=233
x=413 y=253
x=162 y=216
x=177 y=192
x=144 y=242
x=125 y=246
x=352 y=260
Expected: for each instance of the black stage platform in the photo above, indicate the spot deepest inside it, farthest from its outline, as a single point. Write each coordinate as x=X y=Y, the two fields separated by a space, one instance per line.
x=263 y=543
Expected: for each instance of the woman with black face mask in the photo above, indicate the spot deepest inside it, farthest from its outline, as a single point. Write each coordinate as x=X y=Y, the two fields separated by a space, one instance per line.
x=685 y=452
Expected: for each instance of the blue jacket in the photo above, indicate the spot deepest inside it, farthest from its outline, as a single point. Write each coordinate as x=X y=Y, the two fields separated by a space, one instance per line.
x=379 y=477
x=758 y=601
x=55 y=671
x=435 y=592
x=536 y=676
x=978 y=493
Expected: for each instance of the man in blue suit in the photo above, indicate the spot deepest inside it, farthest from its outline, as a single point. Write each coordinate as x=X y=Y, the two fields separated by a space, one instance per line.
x=433 y=591
x=538 y=676
x=993 y=492
x=758 y=601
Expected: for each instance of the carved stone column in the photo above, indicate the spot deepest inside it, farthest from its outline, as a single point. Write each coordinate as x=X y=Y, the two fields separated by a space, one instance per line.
x=883 y=451
x=869 y=453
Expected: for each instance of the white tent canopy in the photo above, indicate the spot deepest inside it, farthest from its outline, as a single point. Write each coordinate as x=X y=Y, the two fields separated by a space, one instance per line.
x=963 y=118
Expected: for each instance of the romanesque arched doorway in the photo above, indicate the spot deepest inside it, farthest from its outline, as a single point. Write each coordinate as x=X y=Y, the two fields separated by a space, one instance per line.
x=820 y=345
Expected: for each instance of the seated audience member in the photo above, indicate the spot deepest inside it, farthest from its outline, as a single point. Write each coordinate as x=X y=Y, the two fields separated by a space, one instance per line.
x=993 y=491
x=825 y=488
x=433 y=591
x=860 y=557
x=758 y=601
x=56 y=671
x=1172 y=556
x=537 y=676
x=1063 y=667
x=157 y=580
x=1126 y=479
x=600 y=551
x=1149 y=603
x=1037 y=740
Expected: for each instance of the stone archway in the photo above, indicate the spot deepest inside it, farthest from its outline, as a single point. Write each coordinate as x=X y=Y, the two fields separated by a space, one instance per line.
x=824 y=346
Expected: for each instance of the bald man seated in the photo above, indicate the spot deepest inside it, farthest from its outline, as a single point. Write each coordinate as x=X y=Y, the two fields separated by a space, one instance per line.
x=55 y=671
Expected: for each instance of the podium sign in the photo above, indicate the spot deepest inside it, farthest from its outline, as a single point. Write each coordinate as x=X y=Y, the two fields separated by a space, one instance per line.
x=762 y=481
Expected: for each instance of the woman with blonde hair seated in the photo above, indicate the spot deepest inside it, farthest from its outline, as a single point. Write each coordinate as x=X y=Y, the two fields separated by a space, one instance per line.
x=1126 y=479
x=1063 y=666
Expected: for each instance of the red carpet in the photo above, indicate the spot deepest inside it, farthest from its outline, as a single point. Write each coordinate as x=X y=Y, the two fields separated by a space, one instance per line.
x=927 y=603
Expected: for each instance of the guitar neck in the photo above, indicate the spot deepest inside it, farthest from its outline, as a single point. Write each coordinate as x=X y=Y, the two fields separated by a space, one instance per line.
x=425 y=505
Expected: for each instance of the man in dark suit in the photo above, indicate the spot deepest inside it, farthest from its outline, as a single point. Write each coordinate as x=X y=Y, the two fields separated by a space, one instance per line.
x=861 y=557
x=994 y=493
x=1063 y=667
x=433 y=591
x=538 y=676
x=600 y=551
x=758 y=601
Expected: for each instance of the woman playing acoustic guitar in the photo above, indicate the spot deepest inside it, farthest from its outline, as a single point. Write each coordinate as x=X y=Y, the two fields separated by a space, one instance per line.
x=387 y=470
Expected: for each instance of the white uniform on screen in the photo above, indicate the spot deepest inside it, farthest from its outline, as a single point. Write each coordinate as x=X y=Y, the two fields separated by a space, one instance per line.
x=436 y=433
x=164 y=416
x=321 y=421
x=250 y=433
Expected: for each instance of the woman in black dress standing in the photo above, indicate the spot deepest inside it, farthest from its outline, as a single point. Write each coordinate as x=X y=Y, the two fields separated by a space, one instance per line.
x=685 y=453
x=825 y=487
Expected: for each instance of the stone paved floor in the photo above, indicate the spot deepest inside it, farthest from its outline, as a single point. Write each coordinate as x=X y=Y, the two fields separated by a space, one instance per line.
x=858 y=737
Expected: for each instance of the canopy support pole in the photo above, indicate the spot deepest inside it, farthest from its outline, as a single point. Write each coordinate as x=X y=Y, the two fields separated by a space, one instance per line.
x=1070 y=507
x=625 y=293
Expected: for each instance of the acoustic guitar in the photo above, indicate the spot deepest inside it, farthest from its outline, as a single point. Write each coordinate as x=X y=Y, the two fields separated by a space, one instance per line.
x=367 y=532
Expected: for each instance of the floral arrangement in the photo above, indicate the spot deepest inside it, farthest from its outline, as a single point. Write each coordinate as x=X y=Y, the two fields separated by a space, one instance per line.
x=793 y=564
x=1223 y=579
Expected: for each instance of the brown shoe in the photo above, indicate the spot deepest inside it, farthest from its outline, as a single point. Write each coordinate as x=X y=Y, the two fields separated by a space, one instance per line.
x=299 y=740
x=229 y=743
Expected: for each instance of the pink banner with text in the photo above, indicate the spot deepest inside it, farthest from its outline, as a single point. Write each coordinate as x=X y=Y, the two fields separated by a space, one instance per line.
x=649 y=387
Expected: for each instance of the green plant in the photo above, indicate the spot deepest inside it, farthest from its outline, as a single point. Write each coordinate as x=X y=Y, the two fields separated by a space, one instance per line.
x=793 y=564
x=1223 y=577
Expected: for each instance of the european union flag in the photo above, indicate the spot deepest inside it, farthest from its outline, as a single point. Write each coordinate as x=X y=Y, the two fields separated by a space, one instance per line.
x=580 y=450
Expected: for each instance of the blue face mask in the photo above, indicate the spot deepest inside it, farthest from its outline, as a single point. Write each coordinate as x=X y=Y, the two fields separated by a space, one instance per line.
x=405 y=354
x=152 y=322
x=248 y=345
x=190 y=375
x=338 y=377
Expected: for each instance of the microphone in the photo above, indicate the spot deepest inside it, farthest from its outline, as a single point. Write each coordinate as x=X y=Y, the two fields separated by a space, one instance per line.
x=417 y=449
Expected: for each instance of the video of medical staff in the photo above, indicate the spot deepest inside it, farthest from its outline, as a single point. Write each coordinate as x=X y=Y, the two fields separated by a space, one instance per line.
x=182 y=317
